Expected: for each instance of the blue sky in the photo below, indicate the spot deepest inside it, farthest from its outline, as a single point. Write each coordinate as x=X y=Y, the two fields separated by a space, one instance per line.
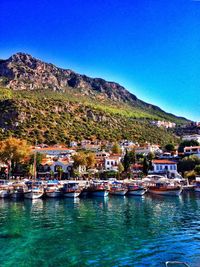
x=151 y=47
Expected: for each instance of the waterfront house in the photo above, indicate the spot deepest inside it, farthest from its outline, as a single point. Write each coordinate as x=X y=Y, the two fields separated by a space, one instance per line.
x=192 y=150
x=112 y=162
x=164 y=166
x=49 y=166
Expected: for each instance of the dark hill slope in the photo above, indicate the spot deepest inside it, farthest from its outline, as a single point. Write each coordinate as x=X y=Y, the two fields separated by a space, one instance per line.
x=24 y=72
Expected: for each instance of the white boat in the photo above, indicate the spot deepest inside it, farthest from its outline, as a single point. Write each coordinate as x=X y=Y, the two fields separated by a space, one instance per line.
x=136 y=189
x=53 y=192
x=117 y=189
x=53 y=189
x=71 y=190
x=4 y=191
x=34 y=193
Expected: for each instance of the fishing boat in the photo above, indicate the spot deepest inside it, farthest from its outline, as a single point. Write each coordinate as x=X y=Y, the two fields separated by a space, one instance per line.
x=71 y=189
x=34 y=191
x=197 y=185
x=166 y=189
x=4 y=189
x=117 y=189
x=17 y=191
x=98 y=189
x=135 y=189
x=53 y=189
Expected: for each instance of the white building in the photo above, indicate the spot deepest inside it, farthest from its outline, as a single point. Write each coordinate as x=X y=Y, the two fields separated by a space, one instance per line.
x=195 y=137
x=164 y=165
x=112 y=162
x=48 y=165
x=165 y=124
x=54 y=151
x=145 y=150
x=192 y=150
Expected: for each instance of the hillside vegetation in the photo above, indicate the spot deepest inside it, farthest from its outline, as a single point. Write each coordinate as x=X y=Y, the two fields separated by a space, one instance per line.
x=58 y=117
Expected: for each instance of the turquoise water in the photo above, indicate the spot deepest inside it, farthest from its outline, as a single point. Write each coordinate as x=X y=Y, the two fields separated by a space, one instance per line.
x=116 y=231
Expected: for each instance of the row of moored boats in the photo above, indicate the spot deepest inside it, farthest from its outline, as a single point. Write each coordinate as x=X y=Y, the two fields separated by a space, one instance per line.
x=55 y=189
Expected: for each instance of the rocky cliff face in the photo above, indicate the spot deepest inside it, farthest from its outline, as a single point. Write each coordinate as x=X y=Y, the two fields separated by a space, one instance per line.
x=24 y=72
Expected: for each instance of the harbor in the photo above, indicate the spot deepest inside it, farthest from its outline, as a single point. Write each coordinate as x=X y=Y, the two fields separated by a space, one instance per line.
x=111 y=231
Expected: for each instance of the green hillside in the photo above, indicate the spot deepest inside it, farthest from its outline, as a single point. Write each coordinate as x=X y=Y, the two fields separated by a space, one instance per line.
x=58 y=117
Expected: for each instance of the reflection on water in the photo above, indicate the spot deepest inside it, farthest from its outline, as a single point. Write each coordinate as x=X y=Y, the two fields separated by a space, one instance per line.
x=115 y=231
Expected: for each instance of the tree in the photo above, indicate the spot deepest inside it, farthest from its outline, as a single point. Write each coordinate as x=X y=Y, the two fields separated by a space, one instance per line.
x=116 y=148
x=79 y=159
x=126 y=161
x=120 y=168
x=197 y=169
x=90 y=160
x=39 y=158
x=151 y=156
x=188 y=164
x=169 y=147
x=145 y=166
x=129 y=158
x=51 y=174
x=60 y=172
x=14 y=151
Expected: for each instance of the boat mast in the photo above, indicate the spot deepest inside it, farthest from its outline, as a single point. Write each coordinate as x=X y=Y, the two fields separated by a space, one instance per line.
x=35 y=163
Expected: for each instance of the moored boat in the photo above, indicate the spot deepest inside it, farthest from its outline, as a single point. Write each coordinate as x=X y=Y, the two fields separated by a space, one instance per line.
x=4 y=189
x=34 y=191
x=53 y=189
x=136 y=190
x=117 y=189
x=98 y=189
x=165 y=189
x=4 y=192
x=71 y=190
x=17 y=191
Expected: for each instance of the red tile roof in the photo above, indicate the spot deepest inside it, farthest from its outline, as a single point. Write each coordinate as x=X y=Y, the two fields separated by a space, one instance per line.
x=163 y=161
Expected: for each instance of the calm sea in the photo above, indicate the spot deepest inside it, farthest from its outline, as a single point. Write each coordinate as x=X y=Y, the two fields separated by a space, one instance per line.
x=116 y=231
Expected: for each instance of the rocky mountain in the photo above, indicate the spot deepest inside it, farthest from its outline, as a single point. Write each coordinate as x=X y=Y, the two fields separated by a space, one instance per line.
x=39 y=101
x=24 y=72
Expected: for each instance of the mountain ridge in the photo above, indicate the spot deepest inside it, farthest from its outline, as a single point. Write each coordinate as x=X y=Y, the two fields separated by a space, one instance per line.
x=21 y=71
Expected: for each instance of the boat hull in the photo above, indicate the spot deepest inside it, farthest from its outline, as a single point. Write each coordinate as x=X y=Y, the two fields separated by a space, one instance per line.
x=33 y=195
x=118 y=192
x=17 y=195
x=71 y=194
x=165 y=192
x=136 y=192
x=99 y=193
x=54 y=194
x=4 y=194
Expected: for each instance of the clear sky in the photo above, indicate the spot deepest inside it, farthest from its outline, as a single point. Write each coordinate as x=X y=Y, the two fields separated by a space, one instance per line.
x=151 y=47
